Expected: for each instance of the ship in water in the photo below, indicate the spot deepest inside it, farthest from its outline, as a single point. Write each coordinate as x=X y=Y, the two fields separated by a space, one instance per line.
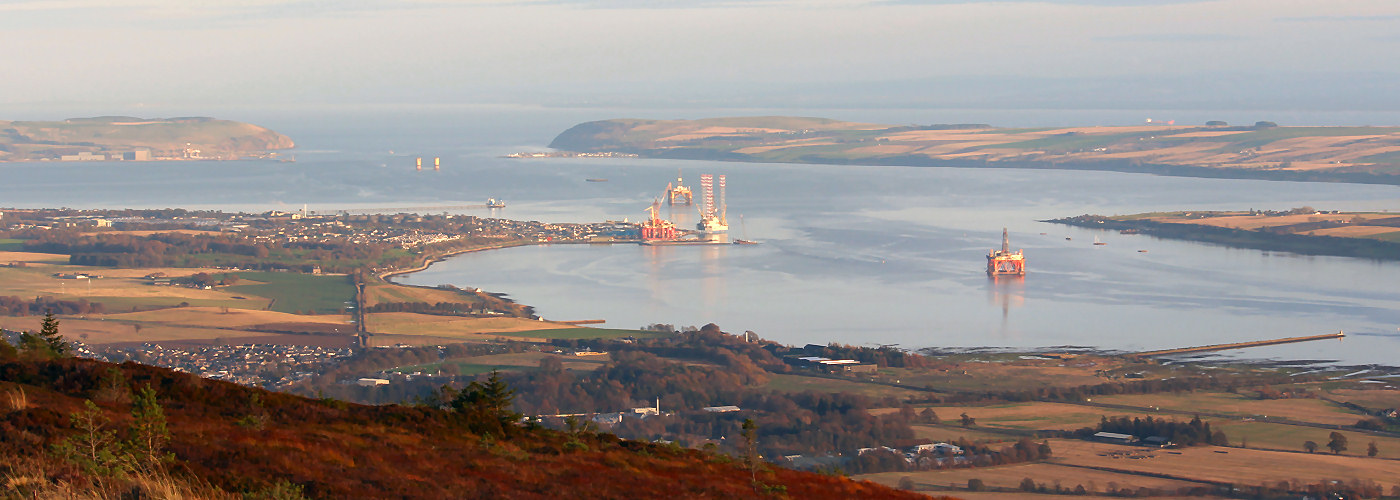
x=1004 y=262
x=712 y=218
x=495 y=203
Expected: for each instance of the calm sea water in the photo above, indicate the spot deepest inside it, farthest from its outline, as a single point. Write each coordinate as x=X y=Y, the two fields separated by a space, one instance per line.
x=859 y=255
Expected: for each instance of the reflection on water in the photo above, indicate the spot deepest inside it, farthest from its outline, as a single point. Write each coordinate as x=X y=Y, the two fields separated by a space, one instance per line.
x=1007 y=292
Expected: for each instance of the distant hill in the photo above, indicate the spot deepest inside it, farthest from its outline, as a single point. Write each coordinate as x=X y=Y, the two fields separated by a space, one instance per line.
x=111 y=136
x=228 y=438
x=1262 y=150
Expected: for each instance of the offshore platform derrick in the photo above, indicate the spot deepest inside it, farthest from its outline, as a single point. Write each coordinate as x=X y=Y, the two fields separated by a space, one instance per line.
x=1004 y=262
x=656 y=228
x=678 y=192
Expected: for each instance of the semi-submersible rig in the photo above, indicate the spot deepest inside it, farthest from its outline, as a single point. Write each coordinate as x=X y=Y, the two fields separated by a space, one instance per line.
x=1004 y=262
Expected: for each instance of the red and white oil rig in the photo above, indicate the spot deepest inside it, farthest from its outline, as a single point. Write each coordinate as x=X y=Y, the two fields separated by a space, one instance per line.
x=655 y=228
x=1005 y=262
x=712 y=218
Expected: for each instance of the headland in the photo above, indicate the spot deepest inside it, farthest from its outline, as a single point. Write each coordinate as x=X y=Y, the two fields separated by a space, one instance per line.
x=118 y=138
x=1262 y=150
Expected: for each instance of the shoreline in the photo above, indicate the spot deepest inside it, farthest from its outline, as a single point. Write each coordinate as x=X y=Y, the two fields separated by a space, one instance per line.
x=1360 y=248
x=1121 y=166
x=429 y=260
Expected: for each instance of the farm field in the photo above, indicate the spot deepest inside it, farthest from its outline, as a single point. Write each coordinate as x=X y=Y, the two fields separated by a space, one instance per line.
x=800 y=383
x=465 y=327
x=116 y=290
x=215 y=317
x=293 y=292
x=1260 y=151
x=510 y=362
x=1229 y=465
x=969 y=372
x=389 y=293
x=1373 y=398
x=1300 y=409
x=99 y=332
x=952 y=432
x=1030 y=416
x=1291 y=438
x=1010 y=476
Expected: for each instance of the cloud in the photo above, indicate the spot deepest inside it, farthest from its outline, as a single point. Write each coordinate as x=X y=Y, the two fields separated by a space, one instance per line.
x=1171 y=38
x=1106 y=3
x=1340 y=19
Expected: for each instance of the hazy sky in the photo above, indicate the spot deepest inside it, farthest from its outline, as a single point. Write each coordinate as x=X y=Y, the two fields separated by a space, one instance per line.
x=828 y=52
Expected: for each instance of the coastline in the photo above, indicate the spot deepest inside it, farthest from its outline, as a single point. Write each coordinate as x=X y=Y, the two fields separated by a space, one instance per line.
x=429 y=260
x=1236 y=238
x=1122 y=166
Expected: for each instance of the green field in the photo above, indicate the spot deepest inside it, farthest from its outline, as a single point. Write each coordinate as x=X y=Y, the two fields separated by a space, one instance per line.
x=579 y=333
x=799 y=383
x=1291 y=437
x=950 y=433
x=295 y=292
x=11 y=245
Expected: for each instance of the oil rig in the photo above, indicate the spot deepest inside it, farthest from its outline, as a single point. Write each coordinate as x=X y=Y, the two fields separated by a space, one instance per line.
x=712 y=214
x=678 y=191
x=1005 y=262
x=655 y=228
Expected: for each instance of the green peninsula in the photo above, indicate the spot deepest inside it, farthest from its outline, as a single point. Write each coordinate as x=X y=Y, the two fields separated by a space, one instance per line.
x=1259 y=151
x=1306 y=231
x=130 y=138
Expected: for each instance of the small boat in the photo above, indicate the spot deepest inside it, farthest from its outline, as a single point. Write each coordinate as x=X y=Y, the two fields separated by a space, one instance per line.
x=495 y=203
x=1142 y=251
x=1097 y=242
x=596 y=180
x=745 y=242
x=1067 y=238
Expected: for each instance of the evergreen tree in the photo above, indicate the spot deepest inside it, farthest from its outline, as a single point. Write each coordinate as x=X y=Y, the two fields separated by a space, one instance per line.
x=148 y=434
x=750 y=433
x=487 y=406
x=94 y=448
x=47 y=341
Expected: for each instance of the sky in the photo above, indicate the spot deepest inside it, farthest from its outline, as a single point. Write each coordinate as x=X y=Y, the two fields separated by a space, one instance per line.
x=1319 y=54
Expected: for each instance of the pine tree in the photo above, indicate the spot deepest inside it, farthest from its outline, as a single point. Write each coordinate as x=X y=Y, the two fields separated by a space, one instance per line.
x=487 y=406
x=94 y=448
x=750 y=433
x=48 y=337
x=148 y=434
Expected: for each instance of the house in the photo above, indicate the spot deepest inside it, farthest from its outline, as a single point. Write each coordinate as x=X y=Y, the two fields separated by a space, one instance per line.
x=608 y=419
x=863 y=451
x=720 y=409
x=940 y=448
x=1113 y=437
x=371 y=382
x=1158 y=441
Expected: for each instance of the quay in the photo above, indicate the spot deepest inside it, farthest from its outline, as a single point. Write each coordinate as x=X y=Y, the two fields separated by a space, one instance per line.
x=1238 y=345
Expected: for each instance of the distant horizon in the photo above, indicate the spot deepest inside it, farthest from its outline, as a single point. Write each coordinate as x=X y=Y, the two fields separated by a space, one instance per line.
x=305 y=114
x=1309 y=55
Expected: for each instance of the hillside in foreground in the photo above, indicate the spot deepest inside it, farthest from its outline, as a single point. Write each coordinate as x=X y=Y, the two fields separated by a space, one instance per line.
x=1259 y=151
x=230 y=440
x=109 y=137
